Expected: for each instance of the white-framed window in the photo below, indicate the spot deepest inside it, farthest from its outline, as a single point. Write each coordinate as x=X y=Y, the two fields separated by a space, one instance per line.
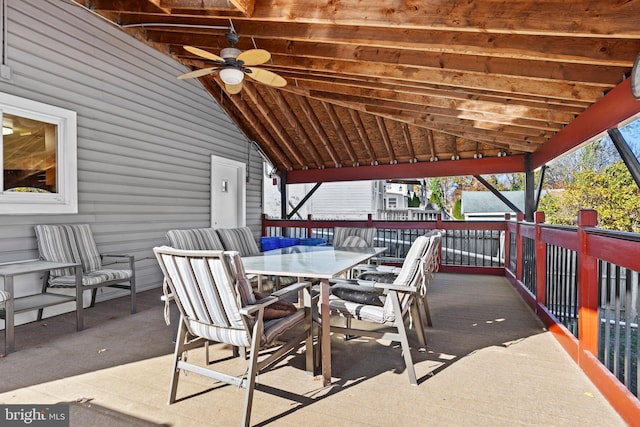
x=38 y=158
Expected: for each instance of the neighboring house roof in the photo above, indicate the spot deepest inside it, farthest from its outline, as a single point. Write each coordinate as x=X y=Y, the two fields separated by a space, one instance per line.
x=475 y=202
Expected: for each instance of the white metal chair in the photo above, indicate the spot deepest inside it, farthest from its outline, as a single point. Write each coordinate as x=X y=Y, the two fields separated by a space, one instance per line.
x=216 y=303
x=430 y=265
x=396 y=300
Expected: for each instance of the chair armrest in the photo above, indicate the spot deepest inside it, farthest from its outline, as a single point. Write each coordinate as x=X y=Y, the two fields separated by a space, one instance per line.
x=130 y=257
x=398 y=288
x=250 y=309
x=116 y=255
x=338 y=281
x=294 y=287
x=387 y=286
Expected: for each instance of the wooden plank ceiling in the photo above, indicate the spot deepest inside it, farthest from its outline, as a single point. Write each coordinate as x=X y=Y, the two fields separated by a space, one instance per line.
x=393 y=85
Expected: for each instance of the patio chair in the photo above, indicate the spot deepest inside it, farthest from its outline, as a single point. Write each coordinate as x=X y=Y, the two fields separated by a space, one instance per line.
x=4 y=295
x=195 y=239
x=239 y=239
x=217 y=303
x=386 y=304
x=353 y=237
x=430 y=265
x=75 y=243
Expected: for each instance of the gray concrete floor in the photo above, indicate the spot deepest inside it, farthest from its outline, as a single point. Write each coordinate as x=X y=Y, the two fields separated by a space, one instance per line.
x=489 y=362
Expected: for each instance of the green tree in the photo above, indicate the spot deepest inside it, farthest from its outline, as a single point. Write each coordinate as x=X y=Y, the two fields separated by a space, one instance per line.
x=457 y=210
x=612 y=192
x=436 y=196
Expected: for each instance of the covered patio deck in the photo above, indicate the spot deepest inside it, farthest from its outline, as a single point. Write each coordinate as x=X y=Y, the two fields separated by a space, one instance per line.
x=489 y=361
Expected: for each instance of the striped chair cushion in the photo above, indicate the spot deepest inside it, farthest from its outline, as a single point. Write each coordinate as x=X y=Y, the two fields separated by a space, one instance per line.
x=340 y=234
x=205 y=290
x=91 y=278
x=410 y=271
x=195 y=239
x=276 y=327
x=408 y=274
x=86 y=246
x=55 y=244
x=354 y=242
x=4 y=295
x=239 y=239
x=272 y=329
x=68 y=243
x=368 y=313
x=243 y=286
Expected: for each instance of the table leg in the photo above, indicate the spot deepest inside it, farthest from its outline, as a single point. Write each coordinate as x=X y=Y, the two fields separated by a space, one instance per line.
x=9 y=316
x=326 y=332
x=79 y=299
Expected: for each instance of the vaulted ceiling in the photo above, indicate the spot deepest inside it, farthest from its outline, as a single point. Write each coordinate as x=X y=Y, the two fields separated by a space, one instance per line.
x=401 y=88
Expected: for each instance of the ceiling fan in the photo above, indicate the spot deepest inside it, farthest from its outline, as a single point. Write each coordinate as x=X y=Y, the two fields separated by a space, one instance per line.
x=233 y=64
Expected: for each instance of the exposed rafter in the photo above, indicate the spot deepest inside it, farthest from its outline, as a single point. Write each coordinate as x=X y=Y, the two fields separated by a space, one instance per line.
x=380 y=87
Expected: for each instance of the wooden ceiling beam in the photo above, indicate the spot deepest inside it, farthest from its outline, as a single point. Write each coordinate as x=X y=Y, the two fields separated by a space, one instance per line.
x=309 y=113
x=484 y=166
x=362 y=132
x=506 y=136
x=374 y=106
x=473 y=80
x=588 y=18
x=617 y=106
x=418 y=102
x=434 y=114
x=522 y=133
x=594 y=50
x=515 y=65
x=432 y=147
x=387 y=141
x=297 y=126
x=570 y=106
x=404 y=75
x=174 y=6
x=342 y=135
x=270 y=118
x=407 y=140
x=261 y=135
x=542 y=17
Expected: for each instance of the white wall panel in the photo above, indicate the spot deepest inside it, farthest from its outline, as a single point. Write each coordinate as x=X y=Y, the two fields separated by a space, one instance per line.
x=144 y=137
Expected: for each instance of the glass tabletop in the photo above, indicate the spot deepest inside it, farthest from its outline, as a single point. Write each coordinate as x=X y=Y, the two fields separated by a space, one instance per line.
x=323 y=262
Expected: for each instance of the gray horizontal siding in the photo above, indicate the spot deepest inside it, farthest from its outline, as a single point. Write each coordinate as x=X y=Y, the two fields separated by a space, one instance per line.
x=144 y=137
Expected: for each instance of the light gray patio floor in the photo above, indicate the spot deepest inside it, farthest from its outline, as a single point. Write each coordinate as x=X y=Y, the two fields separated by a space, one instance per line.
x=489 y=363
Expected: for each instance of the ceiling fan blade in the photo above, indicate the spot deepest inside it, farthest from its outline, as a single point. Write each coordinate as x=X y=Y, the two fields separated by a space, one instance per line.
x=198 y=73
x=203 y=53
x=233 y=89
x=254 y=57
x=266 y=77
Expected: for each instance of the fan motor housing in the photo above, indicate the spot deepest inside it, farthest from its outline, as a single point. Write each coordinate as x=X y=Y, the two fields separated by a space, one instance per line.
x=230 y=53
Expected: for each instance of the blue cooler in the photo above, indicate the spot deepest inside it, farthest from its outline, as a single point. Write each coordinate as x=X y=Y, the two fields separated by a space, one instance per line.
x=312 y=241
x=269 y=243
x=285 y=242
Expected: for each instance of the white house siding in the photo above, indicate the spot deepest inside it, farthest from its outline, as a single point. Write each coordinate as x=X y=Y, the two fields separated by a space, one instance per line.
x=144 y=137
x=333 y=200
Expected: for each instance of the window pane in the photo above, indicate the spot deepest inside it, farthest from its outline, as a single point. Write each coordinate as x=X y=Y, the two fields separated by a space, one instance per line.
x=29 y=155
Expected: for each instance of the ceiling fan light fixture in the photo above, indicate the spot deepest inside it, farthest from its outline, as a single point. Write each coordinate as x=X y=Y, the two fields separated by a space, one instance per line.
x=231 y=76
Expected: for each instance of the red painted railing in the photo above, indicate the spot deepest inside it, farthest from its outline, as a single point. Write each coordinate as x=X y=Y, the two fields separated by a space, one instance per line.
x=530 y=243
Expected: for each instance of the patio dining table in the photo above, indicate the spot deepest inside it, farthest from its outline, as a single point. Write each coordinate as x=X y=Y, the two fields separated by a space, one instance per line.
x=317 y=262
